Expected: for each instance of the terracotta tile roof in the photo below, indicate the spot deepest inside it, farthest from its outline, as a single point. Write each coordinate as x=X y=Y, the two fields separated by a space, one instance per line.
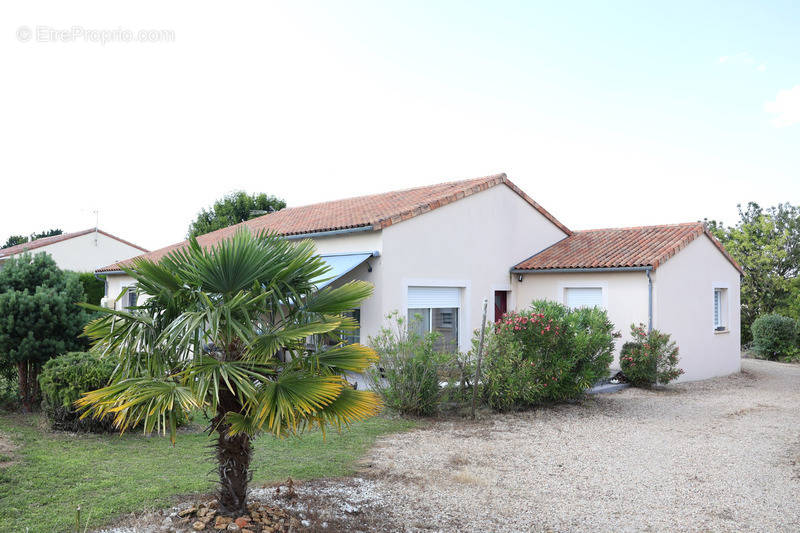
x=46 y=241
x=373 y=212
x=620 y=247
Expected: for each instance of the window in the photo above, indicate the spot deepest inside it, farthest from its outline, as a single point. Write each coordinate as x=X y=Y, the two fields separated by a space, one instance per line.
x=435 y=309
x=349 y=336
x=720 y=309
x=130 y=298
x=576 y=297
x=353 y=336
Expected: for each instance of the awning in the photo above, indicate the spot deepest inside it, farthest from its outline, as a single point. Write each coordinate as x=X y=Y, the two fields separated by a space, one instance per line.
x=341 y=264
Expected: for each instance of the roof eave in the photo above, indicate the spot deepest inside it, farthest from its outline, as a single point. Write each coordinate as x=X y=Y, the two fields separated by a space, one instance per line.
x=580 y=270
x=330 y=233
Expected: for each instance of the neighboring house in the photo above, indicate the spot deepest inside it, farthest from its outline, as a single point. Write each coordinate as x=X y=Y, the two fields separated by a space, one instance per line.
x=438 y=251
x=81 y=251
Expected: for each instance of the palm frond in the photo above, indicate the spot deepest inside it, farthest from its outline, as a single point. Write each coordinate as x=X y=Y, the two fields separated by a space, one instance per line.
x=266 y=344
x=242 y=423
x=335 y=301
x=344 y=358
x=208 y=374
x=281 y=405
x=350 y=406
x=154 y=403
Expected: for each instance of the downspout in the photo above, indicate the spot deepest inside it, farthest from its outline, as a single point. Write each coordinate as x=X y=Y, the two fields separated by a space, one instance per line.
x=649 y=300
x=105 y=285
x=105 y=282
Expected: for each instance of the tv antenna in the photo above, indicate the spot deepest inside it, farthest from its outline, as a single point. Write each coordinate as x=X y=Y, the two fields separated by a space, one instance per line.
x=259 y=212
x=96 y=224
x=96 y=213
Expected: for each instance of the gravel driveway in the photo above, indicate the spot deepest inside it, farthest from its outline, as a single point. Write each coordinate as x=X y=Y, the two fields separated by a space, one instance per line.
x=719 y=455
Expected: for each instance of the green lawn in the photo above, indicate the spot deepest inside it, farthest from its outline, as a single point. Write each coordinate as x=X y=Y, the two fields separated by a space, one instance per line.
x=111 y=475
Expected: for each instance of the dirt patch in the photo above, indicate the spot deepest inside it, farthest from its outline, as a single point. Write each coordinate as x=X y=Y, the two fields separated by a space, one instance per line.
x=322 y=505
x=749 y=410
x=457 y=461
x=7 y=452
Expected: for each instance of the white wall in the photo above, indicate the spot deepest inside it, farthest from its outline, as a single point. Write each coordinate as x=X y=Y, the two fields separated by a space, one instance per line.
x=624 y=294
x=362 y=241
x=82 y=254
x=471 y=243
x=684 y=308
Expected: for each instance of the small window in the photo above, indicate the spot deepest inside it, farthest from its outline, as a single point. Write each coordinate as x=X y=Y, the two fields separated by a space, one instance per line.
x=720 y=309
x=353 y=336
x=576 y=297
x=130 y=298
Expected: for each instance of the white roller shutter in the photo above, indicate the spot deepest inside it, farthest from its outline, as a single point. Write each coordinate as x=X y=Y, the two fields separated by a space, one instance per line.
x=584 y=297
x=424 y=297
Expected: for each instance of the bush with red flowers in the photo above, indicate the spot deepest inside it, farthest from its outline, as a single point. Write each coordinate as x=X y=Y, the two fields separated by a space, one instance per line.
x=650 y=358
x=547 y=353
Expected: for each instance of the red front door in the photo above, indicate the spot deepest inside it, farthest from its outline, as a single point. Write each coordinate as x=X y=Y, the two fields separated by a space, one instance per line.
x=500 y=304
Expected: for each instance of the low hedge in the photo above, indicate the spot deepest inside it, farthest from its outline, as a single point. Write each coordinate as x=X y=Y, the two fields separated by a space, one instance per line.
x=63 y=380
x=775 y=337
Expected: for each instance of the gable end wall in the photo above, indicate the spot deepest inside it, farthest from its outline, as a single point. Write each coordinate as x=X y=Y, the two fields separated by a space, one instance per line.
x=683 y=307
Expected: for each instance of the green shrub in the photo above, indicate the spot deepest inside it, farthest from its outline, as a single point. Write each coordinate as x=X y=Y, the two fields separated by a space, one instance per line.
x=62 y=381
x=775 y=337
x=93 y=288
x=9 y=392
x=458 y=372
x=547 y=353
x=650 y=358
x=407 y=374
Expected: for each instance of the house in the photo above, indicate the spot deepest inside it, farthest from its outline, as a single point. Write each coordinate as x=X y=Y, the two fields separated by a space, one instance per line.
x=436 y=252
x=675 y=278
x=80 y=251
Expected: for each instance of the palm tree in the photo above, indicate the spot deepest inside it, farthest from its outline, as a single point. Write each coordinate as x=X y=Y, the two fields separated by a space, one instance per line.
x=224 y=329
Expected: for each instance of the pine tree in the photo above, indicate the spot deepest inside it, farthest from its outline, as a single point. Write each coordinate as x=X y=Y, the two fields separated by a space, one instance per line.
x=38 y=317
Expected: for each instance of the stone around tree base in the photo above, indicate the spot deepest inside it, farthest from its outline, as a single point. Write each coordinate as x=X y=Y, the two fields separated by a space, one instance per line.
x=260 y=518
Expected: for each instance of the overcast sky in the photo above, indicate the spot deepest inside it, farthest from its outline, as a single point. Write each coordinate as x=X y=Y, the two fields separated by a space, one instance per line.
x=606 y=113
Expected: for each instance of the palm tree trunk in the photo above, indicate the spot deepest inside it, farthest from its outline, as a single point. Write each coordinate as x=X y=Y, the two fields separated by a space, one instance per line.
x=233 y=464
x=233 y=459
